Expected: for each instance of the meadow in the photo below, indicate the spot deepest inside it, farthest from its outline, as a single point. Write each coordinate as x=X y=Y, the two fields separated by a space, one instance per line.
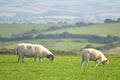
x=63 y=68
x=97 y=29
x=6 y=30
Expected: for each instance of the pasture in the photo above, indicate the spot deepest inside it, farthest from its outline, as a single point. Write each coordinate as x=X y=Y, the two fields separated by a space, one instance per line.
x=6 y=30
x=63 y=68
x=97 y=29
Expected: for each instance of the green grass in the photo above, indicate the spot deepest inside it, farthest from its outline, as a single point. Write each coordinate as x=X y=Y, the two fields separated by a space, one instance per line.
x=98 y=29
x=56 y=44
x=63 y=68
x=6 y=30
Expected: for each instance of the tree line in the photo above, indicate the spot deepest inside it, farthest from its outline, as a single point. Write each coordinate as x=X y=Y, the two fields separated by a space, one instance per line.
x=111 y=20
x=64 y=35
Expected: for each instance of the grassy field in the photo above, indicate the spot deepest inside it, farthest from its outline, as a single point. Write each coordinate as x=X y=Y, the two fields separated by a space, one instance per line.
x=54 y=44
x=6 y=30
x=63 y=68
x=98 y=29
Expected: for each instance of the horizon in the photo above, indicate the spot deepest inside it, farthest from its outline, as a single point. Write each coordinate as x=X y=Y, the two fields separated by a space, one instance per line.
x=55 y=11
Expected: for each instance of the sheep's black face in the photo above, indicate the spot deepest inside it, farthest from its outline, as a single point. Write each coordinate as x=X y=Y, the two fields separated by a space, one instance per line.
x=51 y=57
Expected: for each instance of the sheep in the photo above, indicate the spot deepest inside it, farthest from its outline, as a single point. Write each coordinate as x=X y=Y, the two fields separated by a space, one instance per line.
x=33 y=50
x=93 y=55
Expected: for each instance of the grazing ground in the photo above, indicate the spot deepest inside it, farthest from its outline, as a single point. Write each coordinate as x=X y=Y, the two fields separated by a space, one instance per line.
x=63 y=68
x=7 y=30
x=98 y=29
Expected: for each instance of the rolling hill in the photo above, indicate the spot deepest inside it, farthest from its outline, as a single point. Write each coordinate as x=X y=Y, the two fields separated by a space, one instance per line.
x=64 y=44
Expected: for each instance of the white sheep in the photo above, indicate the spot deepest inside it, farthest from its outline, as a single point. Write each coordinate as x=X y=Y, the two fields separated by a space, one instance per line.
x=93 y=55
x=33 y=50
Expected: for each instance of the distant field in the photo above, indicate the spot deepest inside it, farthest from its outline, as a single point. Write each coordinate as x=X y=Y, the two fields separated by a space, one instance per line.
x=63 y=68
x=98 y=29
x=6 y=30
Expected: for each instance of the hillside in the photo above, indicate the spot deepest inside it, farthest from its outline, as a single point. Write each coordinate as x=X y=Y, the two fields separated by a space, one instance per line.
x=6 y=30
x=97 y=29
x=63 y=37
x=113 y=51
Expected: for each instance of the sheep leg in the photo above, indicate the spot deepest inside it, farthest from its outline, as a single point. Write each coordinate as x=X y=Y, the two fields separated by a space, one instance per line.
x=86 y=60
x=35 y=59
x=18 y=58
x=22 y=59
x=82 y=62
x=97 y=62
x=40 y=59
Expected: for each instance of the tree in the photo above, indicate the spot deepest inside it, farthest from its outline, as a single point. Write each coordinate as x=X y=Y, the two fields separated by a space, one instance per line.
x=108 y=21
x=118 y=20
x=80 y=23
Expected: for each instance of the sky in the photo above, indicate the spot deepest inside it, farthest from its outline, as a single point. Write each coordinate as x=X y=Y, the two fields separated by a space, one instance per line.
x=88 y=10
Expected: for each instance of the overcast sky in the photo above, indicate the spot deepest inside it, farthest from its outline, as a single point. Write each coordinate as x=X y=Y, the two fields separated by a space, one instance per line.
x=86 y=9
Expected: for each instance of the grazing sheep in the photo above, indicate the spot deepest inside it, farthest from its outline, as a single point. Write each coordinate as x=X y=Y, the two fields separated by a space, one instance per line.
x=94 y=55
x=33 y=50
